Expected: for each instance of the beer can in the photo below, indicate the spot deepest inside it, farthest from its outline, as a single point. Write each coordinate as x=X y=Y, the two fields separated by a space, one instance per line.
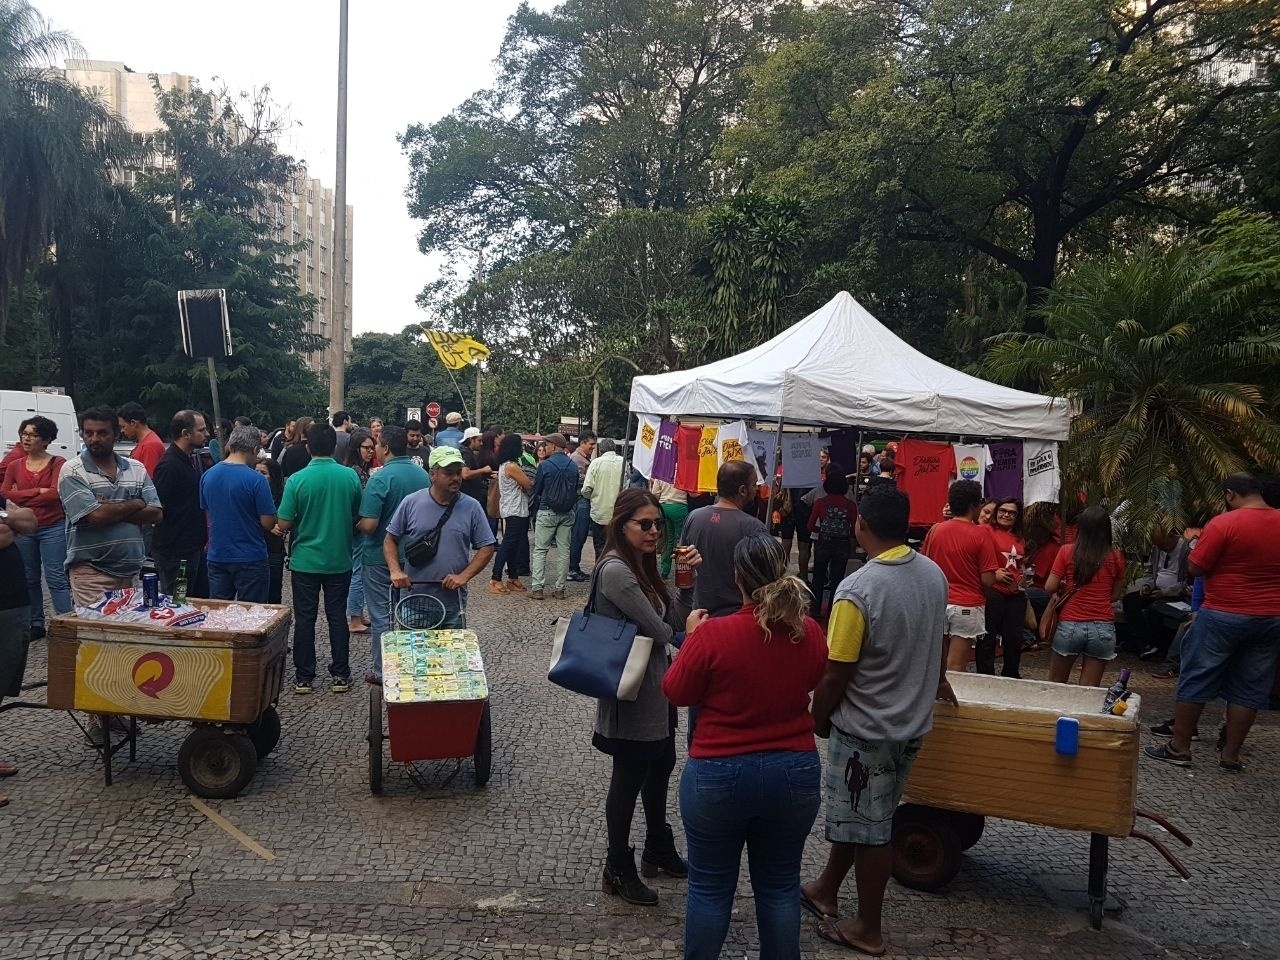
x=150 y=590
x=684 y=572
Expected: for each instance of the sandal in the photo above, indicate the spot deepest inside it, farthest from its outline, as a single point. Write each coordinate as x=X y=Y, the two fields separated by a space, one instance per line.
x=829 y=930
x=4 y=801
x=813 y=908
x=1163 y=753
x=7 y=770
x=1231 y=766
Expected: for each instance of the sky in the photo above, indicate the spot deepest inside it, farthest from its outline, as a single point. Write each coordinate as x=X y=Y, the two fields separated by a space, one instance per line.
x=409 y=61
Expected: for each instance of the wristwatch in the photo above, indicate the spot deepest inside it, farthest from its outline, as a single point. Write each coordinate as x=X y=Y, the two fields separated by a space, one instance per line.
x=4 y=517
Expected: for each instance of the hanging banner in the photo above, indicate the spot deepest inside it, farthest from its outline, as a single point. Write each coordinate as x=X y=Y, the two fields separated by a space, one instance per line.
x=800 y=466
x=646 y=445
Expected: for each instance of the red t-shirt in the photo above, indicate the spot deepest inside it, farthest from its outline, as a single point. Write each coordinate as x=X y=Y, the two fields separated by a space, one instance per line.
x=1011 y=555
x=752 y=691
x=687 y=440
x=1043 y=559
x=22 y=489
x=923 y=470
x=965 y=552
x=1240 y=554
x=1092 y=602
x=148 y=452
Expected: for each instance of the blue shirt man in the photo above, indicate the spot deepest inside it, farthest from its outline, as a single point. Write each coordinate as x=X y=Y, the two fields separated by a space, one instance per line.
x=241 y=511
x=555 y=488
x=451 y=435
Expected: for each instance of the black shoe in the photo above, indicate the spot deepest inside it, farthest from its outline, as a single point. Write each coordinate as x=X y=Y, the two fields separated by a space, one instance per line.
x=660 y=856
x=621 y=880
x=37 y=633
x=1166 y=730
x=577 y=576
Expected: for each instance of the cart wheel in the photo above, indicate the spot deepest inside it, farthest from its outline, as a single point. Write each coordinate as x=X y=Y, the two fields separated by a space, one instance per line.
x=215 y=764
x=484 y=748
x=265 y=732
x=375 y=739
x=968 y=827
x=926 y=848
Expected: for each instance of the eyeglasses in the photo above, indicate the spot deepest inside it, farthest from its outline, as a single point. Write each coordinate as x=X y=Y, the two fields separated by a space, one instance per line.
x=1007 y=513
x=367 y=446
x=30 y=435
x=646 y=525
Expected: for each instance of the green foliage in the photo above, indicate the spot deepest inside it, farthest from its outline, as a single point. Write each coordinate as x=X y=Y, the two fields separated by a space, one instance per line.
x=390 y=372
x=1173 y=355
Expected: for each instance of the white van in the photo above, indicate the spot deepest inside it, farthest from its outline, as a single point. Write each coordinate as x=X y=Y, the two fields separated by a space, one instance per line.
x=19 y=405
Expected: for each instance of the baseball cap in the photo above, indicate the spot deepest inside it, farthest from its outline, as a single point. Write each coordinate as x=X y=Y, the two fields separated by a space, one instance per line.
x=444 y=456
x=470 y=432
x=453 y=417
x=557 y=440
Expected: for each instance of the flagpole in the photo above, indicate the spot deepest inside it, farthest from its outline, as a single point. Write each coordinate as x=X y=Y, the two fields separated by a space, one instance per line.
x=458 y=389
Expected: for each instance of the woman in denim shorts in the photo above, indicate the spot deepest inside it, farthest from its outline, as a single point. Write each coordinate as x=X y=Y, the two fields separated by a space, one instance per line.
x=1091 y=570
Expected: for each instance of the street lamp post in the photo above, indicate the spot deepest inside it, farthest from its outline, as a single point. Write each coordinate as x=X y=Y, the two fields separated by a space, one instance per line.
x=337 y=330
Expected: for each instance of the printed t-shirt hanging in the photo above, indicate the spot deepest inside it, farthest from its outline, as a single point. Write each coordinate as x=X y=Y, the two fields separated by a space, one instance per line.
x=687 y=439
x=764 y=446
x=664 y=457
x=800 y=468
x=708 y=461
x=646 y=445
x=972 y=461
x=1004 y=475
x=732 y=443
x=924 y=470
x=1041 y=477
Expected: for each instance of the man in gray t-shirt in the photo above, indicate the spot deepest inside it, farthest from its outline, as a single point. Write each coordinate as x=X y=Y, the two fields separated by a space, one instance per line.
x=715 y=531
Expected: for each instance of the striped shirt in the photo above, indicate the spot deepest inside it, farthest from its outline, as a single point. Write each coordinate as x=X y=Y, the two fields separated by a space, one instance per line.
x=116 y=549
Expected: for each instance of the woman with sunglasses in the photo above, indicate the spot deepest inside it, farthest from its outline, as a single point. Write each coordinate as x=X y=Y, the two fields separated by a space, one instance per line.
x=640 y=735
x=361 y=452
x=1006 y=601
x=753 y=775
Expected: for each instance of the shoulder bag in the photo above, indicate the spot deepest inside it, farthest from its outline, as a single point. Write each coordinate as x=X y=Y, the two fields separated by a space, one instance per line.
x=599 y=656
x=493 y=504
x=1052 y=614
x=423 y=550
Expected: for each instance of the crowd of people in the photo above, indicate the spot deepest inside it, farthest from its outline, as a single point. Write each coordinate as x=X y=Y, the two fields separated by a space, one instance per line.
x=768 y=656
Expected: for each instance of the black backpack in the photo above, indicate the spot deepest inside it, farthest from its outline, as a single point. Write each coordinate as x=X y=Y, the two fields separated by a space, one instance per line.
x=560 y=488
x=834 y=524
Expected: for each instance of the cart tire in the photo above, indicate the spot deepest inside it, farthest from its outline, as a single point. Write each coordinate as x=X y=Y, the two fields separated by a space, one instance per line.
x=483 y=757
x=265 y=732
x=926 y=848
x=215 y=764
x=968 y=827
x=375 y=739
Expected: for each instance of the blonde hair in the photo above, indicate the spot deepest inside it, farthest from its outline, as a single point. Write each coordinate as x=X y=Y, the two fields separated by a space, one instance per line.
x=782 y=600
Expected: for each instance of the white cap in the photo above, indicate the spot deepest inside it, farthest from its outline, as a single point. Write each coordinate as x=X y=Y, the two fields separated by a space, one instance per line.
x=453 y=417
x=470 y=432
x=869 y=448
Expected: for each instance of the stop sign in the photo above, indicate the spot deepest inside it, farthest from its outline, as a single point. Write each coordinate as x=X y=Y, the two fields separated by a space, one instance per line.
x=433 y=409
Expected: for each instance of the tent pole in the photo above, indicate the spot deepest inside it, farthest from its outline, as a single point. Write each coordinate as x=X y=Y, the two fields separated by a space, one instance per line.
x=630 y=444
x=777 y=455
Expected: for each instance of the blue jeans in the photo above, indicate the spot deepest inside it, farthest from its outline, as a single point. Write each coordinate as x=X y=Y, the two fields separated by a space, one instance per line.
x=513 y=552
x=1229 y=655
x=768 y=801
x=250 y=582
x=46 y=548
x=551 y=528
x=355 y=597
x=306 y=606
x=581 y=530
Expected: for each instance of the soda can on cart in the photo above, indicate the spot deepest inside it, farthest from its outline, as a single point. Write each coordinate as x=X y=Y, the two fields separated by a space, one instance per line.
x=150 y=590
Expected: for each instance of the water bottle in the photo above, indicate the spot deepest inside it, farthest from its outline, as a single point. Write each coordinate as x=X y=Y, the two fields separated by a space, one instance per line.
x=180 y=585
x=1115 y=690
x=1028 y=575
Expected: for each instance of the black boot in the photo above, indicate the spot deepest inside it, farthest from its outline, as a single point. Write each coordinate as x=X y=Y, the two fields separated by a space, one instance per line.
x=621 y=880
x=660 y=856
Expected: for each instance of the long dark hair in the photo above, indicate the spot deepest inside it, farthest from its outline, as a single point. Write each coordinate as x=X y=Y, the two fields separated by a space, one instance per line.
x=275 y=479
x=1040 y=524
x=358 y=436
x=781 y=600
x=1092 y=544
x=643 y=565
x=511 y=448
x=489 y=448
x=300 y=428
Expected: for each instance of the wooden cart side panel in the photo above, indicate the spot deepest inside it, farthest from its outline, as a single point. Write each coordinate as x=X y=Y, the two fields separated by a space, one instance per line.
x=1011 y=770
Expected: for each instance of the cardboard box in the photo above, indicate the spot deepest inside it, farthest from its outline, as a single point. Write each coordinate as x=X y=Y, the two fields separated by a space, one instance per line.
x=995 y=756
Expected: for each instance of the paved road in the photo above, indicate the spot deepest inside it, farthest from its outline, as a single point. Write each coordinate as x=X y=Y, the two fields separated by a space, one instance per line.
x=138 y=870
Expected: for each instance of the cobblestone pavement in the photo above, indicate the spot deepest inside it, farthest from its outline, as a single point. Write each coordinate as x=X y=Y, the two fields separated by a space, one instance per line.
x=512 y=871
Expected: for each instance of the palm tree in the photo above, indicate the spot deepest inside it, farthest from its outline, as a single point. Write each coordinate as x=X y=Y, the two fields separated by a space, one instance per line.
x=1172 y=355
x=57 y=143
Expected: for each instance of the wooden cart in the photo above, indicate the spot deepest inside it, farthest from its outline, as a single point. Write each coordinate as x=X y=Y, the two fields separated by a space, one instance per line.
x=995 y=756
x=225 y=682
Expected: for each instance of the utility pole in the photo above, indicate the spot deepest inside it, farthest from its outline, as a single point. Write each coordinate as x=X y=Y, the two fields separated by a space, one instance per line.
x=337 y=329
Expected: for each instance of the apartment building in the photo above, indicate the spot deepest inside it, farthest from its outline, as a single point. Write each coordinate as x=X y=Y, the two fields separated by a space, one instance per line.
x=305 y=212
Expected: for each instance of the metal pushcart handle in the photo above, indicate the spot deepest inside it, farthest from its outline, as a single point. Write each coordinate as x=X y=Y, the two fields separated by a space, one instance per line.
x=397 y=597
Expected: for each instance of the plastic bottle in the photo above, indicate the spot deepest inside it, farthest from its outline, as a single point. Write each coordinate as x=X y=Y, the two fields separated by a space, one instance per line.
x=1115 y=690
x=1029 y=575
x=180 y=585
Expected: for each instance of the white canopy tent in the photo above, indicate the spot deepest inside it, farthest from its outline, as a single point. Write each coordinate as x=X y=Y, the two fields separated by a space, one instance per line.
x=841 y=366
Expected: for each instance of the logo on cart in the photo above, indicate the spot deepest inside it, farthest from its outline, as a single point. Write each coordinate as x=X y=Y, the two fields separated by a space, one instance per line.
x=969 y=468
x=152 y=673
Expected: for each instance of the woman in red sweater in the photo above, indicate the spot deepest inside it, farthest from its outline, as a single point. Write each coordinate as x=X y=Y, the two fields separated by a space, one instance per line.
x=31 y=481
x=753 y=775
x=1092 y=571
x=1006 y=603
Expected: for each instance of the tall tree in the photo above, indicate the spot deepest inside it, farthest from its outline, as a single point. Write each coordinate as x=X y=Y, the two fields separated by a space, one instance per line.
x=1020 y=130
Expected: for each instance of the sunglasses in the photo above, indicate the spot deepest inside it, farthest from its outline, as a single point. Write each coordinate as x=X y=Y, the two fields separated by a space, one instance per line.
x=646 y=525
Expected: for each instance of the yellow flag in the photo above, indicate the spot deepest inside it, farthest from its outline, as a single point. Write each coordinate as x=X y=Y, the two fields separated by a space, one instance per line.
x=456 y=350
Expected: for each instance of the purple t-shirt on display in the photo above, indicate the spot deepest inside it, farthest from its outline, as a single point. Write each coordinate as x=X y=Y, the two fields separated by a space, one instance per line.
x=1004 y=476
x=664 y=455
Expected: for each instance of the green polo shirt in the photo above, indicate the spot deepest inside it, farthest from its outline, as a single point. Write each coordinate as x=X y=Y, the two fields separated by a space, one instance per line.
x=322 y=501
x=395 y=480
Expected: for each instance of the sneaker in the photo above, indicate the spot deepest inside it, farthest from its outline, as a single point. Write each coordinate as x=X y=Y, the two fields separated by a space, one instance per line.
x=1166 y=755
x=557 y=595
x=302 y=687
x=340 y=684
x=535 y=595
x=97 y=736
x=1166 y=730
x=577 y=576
x=373 y=679
x=496 y=588
x=1165 y=674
